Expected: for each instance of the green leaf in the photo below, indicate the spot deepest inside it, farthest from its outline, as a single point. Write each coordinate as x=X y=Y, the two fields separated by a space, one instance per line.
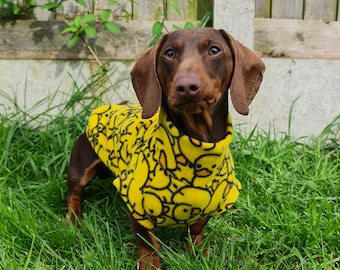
x=105 y=14
x=205 y=20
x=175 y=7
x=104 y=68
x=72 y=41
x=112 y=27
x=176 y=27
x=90 y=31
x=70 y=24
x=155 y=39
x=16 y=9
x=126 y=14
x=48 y=6
x=82 y=3
x=157 y=28
x=33 y=3
x=88 y=19
x=69 y=30
x=189 y=25
x=113 y=2
x=77 y=22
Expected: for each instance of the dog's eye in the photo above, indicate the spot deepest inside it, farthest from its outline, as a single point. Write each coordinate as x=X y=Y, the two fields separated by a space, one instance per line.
x=214 y=50
x=170 y=53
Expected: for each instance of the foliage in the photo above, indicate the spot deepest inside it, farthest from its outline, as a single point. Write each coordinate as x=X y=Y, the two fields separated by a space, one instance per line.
x=84 y=25
x=159 y=26
x=13 y=8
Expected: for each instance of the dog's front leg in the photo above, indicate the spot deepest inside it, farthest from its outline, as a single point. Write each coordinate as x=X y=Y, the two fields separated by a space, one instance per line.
x=147 y=246
x=196 y=233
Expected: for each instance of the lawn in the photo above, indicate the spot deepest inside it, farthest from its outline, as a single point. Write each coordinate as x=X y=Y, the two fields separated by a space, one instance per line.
x=287 y=217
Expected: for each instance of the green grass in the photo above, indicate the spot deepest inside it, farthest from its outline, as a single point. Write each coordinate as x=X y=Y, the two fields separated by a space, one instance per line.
x=287 y=216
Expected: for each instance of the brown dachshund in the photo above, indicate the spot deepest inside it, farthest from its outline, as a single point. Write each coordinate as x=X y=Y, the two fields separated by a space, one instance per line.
x=170 y=154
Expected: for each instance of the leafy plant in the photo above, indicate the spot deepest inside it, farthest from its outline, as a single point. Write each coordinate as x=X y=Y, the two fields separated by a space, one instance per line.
x=159 y=26
x=85 y=25
x=16 y=9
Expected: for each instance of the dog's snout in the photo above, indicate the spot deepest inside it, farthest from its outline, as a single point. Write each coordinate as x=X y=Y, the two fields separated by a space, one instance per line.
x=188 y=85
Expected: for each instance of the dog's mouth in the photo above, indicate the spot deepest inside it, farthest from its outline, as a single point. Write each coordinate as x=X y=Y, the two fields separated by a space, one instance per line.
x=197 y=107
x=194 y=106
x=197 y=113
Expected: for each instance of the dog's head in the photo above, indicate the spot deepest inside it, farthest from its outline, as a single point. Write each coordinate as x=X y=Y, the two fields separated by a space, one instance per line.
x=191 y=71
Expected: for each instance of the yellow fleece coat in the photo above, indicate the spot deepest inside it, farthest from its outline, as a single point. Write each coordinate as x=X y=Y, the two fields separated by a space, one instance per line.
x=164 y=177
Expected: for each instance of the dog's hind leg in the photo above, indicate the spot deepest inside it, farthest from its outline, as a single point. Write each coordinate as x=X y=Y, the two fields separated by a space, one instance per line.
x=84 y=165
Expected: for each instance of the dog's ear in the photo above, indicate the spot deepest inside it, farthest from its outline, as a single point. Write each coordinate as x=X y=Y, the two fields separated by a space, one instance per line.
x=247 y=77
x=145 y=80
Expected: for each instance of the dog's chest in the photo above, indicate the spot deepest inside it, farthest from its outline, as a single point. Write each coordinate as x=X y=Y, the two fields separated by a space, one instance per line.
x=165 y=178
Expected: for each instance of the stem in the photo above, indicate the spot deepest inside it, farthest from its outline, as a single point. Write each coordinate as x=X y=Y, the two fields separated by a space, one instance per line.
x=97 y=59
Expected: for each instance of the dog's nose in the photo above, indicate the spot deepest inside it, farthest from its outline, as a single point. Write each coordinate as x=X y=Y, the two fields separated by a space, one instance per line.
x=188 y=85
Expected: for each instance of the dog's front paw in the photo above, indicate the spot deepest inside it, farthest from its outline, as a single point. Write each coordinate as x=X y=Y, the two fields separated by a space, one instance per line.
x=149 y=262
